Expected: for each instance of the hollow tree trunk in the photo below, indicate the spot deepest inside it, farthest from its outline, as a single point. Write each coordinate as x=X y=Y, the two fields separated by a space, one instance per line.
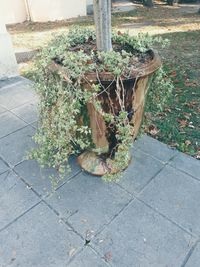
x=102 y=17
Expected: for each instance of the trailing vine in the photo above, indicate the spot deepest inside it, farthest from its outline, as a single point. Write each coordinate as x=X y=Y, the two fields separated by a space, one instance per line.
x=64 y=127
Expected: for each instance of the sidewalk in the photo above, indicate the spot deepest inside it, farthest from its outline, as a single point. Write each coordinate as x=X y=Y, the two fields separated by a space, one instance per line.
x=150 y=218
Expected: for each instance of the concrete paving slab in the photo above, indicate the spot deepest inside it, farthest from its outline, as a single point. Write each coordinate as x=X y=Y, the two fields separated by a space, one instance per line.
x=14 y=80
x=155 y=148
x=2 y=109
x=177 y=196
x=39 y=178
x=16 y=95
x=15 y=199
x=3 y=166
x=141 y=237
x=88 y=203
x=15 y=146
x=194 y=260
x=35 y=125
x=127 y=234
x=136 y=176
x=9 y=123
x=38 y=239
x=88 y=258
x=187 y=164
x=27 y=112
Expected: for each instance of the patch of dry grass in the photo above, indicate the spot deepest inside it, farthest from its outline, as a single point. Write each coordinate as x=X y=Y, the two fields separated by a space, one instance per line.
x=159 y=20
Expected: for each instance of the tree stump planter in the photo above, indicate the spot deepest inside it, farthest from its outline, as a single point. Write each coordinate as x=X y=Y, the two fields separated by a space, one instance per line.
x=103 y=137
x=104 y=134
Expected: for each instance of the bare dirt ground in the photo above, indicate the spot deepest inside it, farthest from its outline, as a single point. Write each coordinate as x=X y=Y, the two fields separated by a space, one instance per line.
x=158 y=20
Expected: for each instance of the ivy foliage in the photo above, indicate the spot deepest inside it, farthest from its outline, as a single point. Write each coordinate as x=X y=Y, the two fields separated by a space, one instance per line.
x=64 y=124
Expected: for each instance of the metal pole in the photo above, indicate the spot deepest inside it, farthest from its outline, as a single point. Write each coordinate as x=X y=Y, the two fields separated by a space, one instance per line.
x=26 y=2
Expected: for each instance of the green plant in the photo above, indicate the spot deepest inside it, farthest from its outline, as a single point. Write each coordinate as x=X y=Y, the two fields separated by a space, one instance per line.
x=64 y=124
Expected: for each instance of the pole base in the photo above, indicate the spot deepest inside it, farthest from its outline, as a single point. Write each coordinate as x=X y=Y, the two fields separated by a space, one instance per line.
x=94 y=164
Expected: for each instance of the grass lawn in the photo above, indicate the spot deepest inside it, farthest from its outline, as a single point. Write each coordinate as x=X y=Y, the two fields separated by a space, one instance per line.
x=179 y=124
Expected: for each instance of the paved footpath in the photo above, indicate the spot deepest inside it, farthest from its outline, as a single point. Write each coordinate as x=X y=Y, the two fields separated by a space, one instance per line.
x=150 y=218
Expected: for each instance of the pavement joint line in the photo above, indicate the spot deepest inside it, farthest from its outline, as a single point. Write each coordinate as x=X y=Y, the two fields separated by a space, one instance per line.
x=24 y=104
x=70 y=178
x=105 y=224
x=18 y=163
x=54 y=210
x=100 y=229
x=21 y=105
x=49 y=193
x=22 y=79
x=165 y=165
x=134 y=196
x=4 y=161
x=188 y=174
x=31 y=187
x=42 y=199
x=168 y=163
x=137 y=196
x=18 y=106
x=196 y=236
x=5 y=172
x=75 y=255
x=28 y=185
x=153 y=157
x=188 y=255
x=20 y=216
x=16 y=130
x=102 y=258
x=138 y=193
x=19 y=116
x=62 y=219
x=13 y=166
x=125 y=189
x=34 y=127
x=55 y=191
x=8 y=172
x=152 y=178
x=10 y=85
x=4 y=110
x=27 y=80
x=113 y=218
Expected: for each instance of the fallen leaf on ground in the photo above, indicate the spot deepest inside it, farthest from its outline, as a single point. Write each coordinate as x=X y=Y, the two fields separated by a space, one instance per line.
x=153 y=130
x=191 y=126
x=172 y=74
x=187 y=115
x=108 y=256
x=72 y=252
x=188 y=142
x=191 y=84
x=183 y=123
x=173 y=145
x=191 y=104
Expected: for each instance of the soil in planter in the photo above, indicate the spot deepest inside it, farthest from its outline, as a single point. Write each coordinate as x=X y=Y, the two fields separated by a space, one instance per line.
x=138 y=59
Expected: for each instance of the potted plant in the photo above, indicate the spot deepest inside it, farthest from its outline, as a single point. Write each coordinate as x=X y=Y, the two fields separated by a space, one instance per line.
x=92 y=96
